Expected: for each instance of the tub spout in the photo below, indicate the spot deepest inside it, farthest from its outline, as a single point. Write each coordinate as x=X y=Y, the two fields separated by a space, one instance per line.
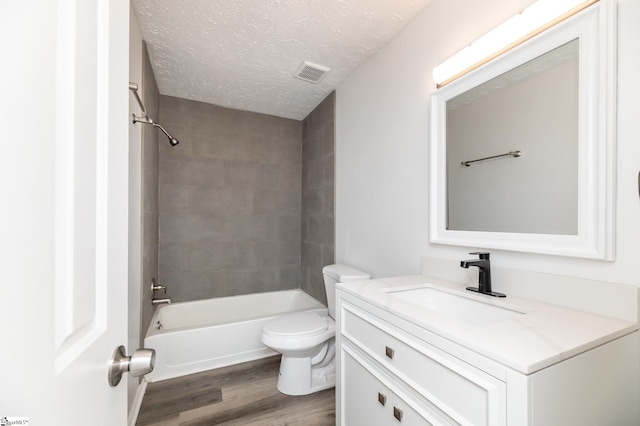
x=161 y=301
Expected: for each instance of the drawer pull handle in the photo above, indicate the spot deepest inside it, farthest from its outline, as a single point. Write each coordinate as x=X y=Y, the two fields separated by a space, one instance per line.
x=389 y=351
x=397 y=413
x=382 y=399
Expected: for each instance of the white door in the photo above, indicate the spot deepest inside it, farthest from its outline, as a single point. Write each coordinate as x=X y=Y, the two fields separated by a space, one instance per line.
x=63 y=209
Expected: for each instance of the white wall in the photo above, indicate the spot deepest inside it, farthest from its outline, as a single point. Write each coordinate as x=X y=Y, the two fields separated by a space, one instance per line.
x=382 y=138
x=135 y=203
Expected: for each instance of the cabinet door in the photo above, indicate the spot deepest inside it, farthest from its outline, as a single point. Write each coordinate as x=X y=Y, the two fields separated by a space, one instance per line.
x=366 y=400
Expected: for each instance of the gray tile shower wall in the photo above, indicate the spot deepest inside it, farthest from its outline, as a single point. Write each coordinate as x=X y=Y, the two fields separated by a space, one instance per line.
x=150 y=216
x=229 y=201
x=318 y=182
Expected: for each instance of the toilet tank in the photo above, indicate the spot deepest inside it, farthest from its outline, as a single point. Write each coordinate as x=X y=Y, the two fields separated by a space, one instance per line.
x=337 y=273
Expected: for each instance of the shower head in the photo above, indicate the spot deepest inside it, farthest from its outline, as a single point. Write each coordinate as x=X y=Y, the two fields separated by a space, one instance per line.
x=172 y=141
x=146 y=120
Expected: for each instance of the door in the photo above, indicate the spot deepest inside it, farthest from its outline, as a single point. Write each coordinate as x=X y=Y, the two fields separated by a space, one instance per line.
x=63 y=209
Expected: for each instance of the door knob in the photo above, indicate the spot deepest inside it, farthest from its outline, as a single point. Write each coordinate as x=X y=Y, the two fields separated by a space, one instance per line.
x=140 y=363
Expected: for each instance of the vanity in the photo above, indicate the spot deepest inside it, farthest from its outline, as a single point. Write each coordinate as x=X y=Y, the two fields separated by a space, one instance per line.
x=559 y=349
x=419 y=350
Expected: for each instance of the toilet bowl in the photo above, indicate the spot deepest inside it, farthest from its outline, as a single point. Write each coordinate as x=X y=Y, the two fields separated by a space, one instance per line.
x=306 y=340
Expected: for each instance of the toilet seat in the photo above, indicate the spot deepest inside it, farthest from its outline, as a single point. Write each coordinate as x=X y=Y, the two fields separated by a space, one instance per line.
x=298 y=324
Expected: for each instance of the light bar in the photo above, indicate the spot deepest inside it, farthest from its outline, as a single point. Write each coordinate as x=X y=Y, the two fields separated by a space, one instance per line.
x=536 y=18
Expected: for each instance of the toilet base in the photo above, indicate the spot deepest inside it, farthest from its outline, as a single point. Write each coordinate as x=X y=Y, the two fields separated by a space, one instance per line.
x=298 y=377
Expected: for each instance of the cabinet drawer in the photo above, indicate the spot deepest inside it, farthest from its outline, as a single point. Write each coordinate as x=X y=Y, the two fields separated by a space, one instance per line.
x=369 y=398
x=466 y=394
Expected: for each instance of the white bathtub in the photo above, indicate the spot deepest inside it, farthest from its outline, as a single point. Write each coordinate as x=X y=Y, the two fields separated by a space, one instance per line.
x=205 y=334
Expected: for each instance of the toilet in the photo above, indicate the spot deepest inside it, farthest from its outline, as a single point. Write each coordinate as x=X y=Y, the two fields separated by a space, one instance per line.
x=306 y=340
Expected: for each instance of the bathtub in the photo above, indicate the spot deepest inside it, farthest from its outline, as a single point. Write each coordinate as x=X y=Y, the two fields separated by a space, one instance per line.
x=190 y=337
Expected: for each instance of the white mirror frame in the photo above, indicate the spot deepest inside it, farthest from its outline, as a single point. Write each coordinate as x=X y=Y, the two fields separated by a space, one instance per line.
x=596 y=29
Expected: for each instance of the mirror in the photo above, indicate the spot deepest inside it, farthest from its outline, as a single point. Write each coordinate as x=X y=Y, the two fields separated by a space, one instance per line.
x=531 y=110
x=522 y=148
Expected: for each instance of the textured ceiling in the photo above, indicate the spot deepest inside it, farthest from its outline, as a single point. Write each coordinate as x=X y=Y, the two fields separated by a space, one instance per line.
x=242 y=53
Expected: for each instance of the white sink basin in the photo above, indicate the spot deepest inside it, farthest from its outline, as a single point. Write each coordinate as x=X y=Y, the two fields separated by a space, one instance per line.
x=459 y=307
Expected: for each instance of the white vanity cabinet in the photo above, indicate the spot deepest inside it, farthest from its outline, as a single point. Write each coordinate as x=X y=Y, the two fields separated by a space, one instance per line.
x=379 y=357
x=392 y=372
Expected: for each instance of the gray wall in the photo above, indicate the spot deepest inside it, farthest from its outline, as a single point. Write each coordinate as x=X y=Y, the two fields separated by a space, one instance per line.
x=229 y=201
x=318 y=220
x=150 y=214
x=143 y=200
x=134 y=292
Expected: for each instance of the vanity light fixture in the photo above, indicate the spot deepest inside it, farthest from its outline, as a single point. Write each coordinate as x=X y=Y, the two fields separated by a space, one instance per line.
x=533 y=20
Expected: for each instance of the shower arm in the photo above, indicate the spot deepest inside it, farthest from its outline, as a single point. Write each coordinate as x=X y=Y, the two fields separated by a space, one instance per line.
x=147 y=120
x=144 y=119
x=134 y=88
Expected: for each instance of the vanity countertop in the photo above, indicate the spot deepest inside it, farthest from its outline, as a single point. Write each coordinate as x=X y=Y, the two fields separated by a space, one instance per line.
x=544 y=335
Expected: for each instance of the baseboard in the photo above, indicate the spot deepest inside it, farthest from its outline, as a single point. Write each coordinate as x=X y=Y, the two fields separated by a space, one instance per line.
x=137 y=403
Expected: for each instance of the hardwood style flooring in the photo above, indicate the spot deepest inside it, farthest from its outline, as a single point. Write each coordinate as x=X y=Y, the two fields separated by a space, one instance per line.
x=239 y=395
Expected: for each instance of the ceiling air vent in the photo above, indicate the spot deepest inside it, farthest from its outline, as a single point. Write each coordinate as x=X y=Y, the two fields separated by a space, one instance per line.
x=311 y=72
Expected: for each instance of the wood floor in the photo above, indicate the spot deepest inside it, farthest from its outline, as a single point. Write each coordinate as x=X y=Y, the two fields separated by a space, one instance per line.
x=243 y=394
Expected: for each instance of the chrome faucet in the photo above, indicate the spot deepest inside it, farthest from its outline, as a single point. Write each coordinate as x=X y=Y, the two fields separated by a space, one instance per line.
x=161 y=301
x=484 y=278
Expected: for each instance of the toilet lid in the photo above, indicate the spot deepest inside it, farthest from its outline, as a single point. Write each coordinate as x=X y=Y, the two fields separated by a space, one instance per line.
x=296 y=324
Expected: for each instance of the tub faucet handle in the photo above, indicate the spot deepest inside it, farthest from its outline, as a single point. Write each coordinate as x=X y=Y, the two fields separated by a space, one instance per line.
x=157 y=287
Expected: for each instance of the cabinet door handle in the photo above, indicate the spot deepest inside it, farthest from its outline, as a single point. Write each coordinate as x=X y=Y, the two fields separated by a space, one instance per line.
x=382 y=399
x=397 y=413
x=389 y=352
